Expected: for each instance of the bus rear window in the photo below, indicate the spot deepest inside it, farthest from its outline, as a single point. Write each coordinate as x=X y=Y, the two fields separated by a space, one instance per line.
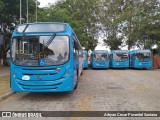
x=120 y=56
x=100 y=57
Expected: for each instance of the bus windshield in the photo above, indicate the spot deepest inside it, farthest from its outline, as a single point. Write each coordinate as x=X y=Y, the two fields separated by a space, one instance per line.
x=34 y=50
x=143 y=56
x=100 y=57
x=120 y=56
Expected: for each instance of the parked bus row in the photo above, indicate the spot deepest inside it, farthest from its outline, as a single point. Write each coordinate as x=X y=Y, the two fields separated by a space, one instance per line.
x=48 y=57
x=137 y=59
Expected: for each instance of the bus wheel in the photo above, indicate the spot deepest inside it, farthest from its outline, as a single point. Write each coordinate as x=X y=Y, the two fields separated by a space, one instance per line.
x=75 y=87
x=82 y=70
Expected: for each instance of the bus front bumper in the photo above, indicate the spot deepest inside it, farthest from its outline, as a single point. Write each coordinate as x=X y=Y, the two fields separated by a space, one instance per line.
x=120 y=65
x=97 y=65
x=60 y=85
x=143 y=65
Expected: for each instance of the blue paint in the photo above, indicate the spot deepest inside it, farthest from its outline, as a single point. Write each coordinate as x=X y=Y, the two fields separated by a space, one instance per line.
x=42 y=62
x=138 y=59
x=60 y=77
x=119 y=59
x=100 y=59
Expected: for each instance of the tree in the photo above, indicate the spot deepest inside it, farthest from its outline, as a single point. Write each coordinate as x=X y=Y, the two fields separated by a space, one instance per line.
x=129 y=22
x=81 y=15
x=138 y=16
x=1 y=5
x=111 y=21
x=9 y=17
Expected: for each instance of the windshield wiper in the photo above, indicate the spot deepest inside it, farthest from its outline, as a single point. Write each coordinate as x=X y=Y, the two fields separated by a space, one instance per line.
x=50 y=40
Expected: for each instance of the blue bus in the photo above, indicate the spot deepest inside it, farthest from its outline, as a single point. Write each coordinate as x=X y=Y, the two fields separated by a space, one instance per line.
x=119 y=59
x=85 y=55
x=140 y=59
x=45 y=57
x=100 y=59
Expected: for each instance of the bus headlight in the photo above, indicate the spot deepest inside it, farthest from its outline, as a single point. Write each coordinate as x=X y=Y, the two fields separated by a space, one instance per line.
x=140 y=64
x=58 y=70
x=67 y=73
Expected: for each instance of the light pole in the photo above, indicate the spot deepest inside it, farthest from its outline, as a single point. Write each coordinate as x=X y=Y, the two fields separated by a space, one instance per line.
x=27 y=10
x=20 y=10
x=36 y=10
x=37 y=3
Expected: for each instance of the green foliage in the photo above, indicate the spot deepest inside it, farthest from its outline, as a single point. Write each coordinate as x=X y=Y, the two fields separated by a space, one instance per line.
x=1 y=5
x=122 y=22
x=111 y=20
x=137 y=21
x=140 y=16
x=158 y=49
x=10 y=14
x=113 y=43
x=80 y=15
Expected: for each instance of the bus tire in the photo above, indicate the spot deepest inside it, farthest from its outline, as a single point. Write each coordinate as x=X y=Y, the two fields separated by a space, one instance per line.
x=82 y=70
x=75 y=87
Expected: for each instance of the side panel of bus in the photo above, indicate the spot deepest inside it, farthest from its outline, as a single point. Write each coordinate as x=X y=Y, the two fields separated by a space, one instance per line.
x=78 y=58
x=85 y=55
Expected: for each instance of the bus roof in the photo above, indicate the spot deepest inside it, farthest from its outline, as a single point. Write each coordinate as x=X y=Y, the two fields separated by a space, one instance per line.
x=117 y=51
x=143 y=51
x=99 y=51
x=140 y=51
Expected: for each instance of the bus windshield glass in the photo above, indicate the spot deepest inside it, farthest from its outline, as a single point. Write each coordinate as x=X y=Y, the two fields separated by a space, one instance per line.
x=41 y=28
x=32 y=50
x=120 y=56
x=100 y=57
x=143 y=56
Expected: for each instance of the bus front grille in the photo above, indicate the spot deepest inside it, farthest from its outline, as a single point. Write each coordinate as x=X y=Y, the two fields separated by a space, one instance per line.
x=39 y=85
x=39 y=71
x=38 y=74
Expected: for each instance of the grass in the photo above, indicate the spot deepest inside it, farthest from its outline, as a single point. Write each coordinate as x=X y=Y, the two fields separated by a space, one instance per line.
x=4 y=84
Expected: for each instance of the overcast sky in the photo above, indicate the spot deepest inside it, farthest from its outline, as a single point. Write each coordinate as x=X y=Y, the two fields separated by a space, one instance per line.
x=44 y=3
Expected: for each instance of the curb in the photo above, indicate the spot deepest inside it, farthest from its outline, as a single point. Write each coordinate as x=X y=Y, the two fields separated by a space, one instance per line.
x=6 y=95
